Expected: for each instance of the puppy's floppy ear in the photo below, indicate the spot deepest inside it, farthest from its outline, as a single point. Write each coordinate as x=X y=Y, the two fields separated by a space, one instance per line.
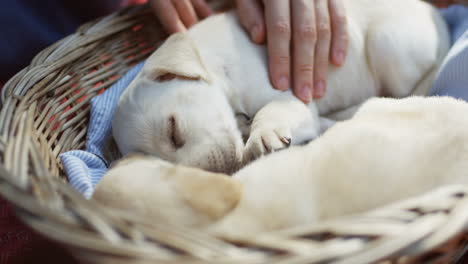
x=177 y=57
x=211 y=194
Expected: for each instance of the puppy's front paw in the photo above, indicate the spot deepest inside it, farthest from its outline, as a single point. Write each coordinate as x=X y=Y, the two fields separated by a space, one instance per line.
x=266 y=140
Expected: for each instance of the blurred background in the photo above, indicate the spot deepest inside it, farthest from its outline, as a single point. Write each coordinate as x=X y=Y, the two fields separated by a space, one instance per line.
x=29 y=26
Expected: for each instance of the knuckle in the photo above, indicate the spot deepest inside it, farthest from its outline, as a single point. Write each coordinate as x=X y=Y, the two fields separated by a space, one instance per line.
x=305 y=69
x=280 y=59
x=308 y=32
x=341 y=20
x=282 y=28
x=324 y=30
x=344 y=37
x=340 y=40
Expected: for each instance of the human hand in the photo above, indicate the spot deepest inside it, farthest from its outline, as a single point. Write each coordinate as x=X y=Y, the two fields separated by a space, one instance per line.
x=305 y=33
x=178 y=15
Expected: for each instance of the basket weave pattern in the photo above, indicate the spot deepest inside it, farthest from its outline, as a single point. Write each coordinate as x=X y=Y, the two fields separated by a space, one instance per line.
x=46 y=110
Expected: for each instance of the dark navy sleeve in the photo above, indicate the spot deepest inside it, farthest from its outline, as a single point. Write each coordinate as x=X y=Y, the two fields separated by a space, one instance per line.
x=28 y=26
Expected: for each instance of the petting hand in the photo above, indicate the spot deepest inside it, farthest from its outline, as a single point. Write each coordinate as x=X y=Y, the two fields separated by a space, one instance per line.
x=305 y=33
x=178 y=15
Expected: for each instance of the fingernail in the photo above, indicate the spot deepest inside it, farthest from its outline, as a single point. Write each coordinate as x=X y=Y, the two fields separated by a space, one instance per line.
x=283 y=83
x=254 y=33
x=319 y=89
x=339 y=57
x=305 y=93
x=286 y=141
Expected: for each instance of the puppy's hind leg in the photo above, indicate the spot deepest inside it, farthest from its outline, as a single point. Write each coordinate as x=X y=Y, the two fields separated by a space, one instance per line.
x=400 y=58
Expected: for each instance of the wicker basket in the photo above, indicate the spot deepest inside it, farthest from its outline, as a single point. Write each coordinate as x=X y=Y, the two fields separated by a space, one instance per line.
x=45 y=112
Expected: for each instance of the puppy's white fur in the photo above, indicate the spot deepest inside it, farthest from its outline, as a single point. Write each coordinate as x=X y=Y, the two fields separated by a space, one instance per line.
x=197 y=92
x=391 y=149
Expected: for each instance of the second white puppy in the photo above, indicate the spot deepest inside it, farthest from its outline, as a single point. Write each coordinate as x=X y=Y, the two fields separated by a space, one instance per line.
x=201 y=91
x=390 y=150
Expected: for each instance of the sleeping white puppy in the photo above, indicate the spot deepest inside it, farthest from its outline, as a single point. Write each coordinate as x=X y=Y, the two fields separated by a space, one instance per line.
x=200 y=92
x=391 y=149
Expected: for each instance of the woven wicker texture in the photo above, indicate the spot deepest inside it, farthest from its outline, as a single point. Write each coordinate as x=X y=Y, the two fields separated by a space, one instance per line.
x=45 y=112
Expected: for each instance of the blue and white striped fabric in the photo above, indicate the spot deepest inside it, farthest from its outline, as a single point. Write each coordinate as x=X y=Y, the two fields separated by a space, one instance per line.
x=85 y=168
x=452 y=79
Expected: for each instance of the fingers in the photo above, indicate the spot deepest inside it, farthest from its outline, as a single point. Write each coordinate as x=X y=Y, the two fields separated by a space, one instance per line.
x=167 y=15
x=340 y=39
x=278 y=25
x=178 y=15
x=252 y=19
x=186 y=12
x=322 y=48
x=304 y=40
x=202 y=8
x=316 y=35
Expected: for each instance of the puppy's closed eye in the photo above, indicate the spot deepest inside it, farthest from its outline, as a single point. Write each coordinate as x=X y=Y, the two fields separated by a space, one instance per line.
x=171 y=76
x=165 y=77
x=174 y=134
